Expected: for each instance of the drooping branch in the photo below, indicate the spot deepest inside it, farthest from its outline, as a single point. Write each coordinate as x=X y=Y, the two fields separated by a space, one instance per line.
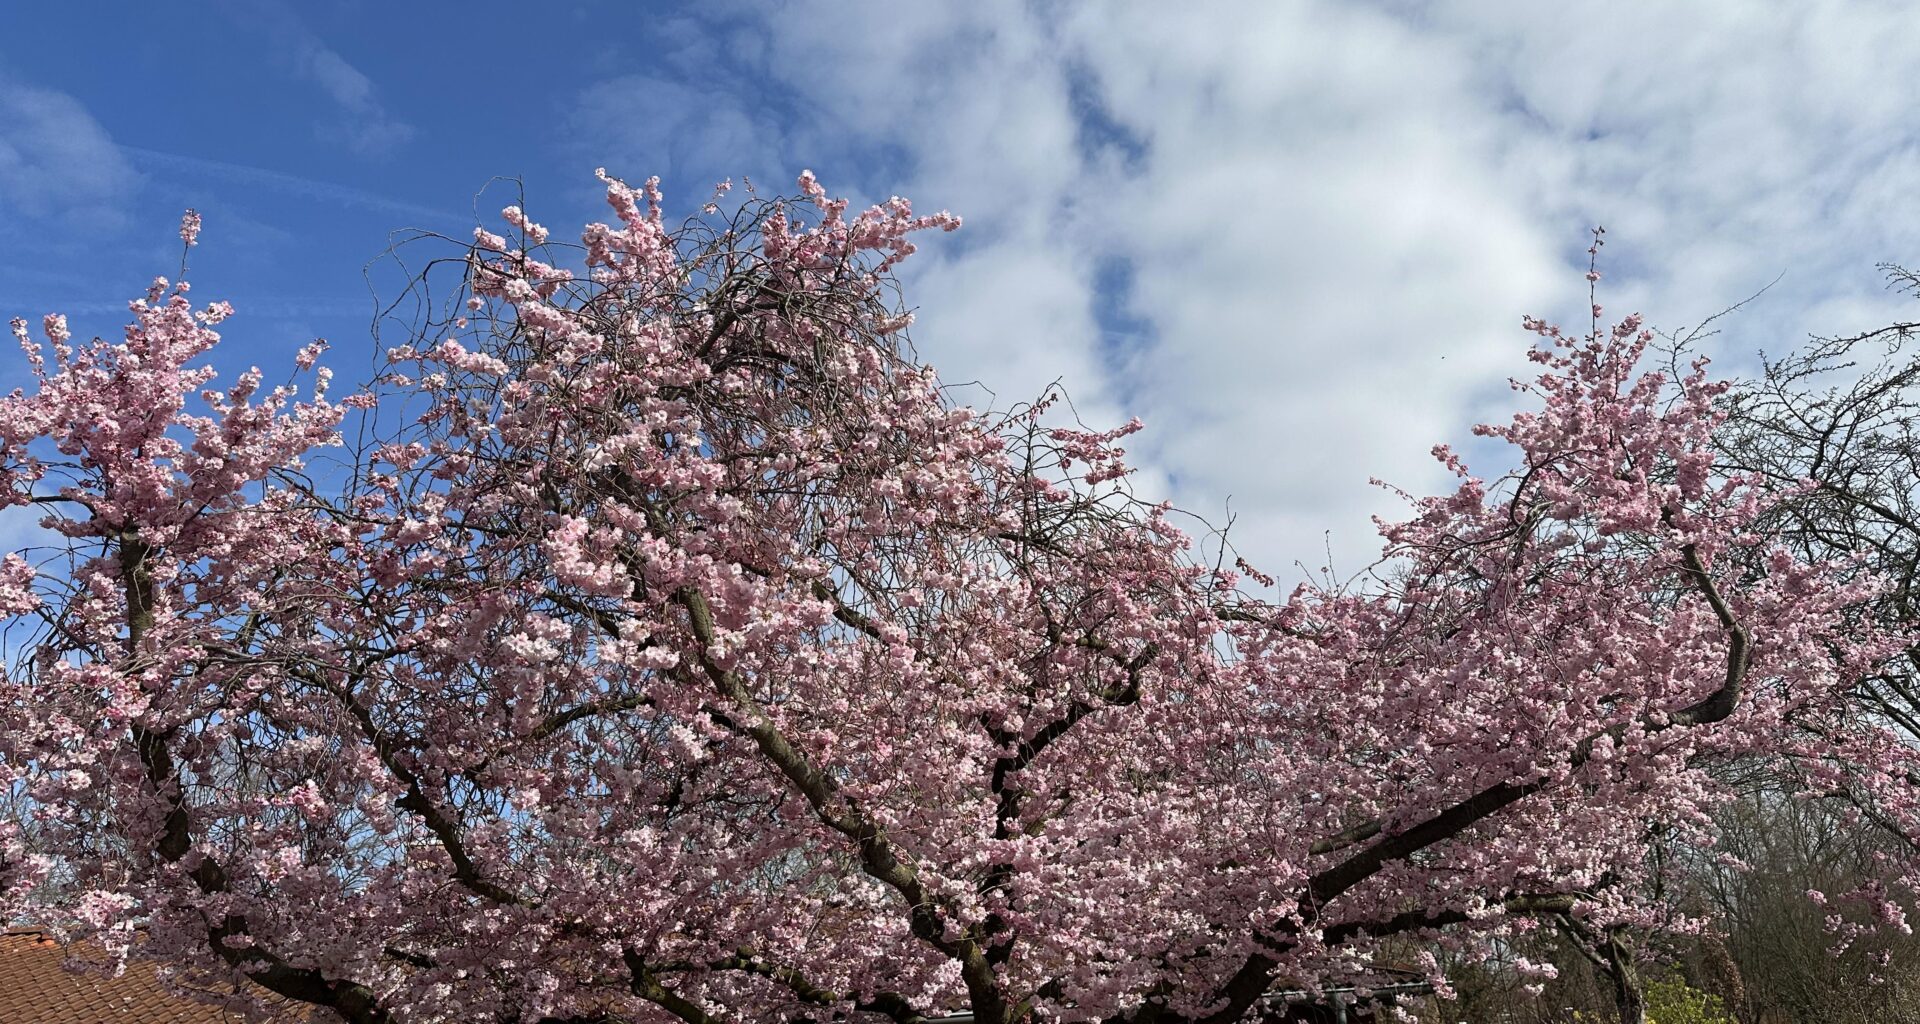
x=878 y=856
x=1247 y=983
x=228 y=937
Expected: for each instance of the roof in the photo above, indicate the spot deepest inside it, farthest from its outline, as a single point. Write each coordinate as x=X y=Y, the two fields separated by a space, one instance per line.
x=36 y=989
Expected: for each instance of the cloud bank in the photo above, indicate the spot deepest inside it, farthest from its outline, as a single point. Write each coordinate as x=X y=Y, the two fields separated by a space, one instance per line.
x=1297 y=238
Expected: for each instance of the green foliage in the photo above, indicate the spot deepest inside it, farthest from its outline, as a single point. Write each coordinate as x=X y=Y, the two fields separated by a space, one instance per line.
x=1673 y=1001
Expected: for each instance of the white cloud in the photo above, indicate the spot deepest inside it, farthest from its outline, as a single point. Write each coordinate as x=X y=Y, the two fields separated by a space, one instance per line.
x=57 y=162
x=1722 y=143
x=364 y=124
x=1335 y=214
x=1331 y=263
x=643 y=125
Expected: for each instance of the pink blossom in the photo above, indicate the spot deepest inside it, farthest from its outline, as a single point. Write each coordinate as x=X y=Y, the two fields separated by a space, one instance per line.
x=671 y=640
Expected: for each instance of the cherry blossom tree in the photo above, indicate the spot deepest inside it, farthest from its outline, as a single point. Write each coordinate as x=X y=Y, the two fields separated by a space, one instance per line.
x=666 y=645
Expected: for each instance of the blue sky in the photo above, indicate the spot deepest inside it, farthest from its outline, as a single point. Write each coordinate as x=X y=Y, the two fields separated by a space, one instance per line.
x=303 y=133
x=1296 y=237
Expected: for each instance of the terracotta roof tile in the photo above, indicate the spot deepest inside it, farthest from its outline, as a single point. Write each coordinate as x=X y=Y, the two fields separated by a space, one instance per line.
x=36 y=989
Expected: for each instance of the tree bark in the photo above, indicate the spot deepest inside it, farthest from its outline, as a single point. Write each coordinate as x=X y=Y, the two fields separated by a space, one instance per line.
x=1628 y=997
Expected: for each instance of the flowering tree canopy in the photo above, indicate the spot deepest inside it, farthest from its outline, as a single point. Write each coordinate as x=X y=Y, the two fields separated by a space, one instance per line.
x=667 y=646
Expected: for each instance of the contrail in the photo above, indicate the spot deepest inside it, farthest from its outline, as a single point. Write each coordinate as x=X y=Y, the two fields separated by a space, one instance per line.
x=291 y=184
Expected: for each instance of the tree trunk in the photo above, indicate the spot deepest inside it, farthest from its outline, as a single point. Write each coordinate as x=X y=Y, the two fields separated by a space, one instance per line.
x=1627 y=996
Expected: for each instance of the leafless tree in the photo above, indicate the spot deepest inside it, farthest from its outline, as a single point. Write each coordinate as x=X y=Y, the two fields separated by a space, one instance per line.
x=1842 y=414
